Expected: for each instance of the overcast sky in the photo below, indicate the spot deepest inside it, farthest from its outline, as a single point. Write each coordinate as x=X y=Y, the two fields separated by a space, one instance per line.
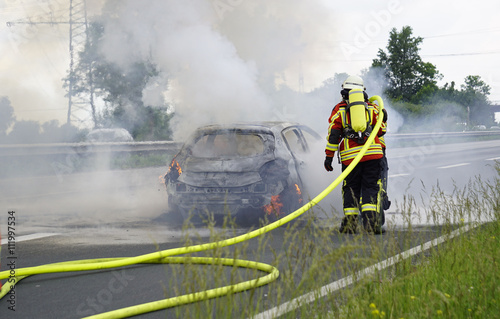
x=315 y=39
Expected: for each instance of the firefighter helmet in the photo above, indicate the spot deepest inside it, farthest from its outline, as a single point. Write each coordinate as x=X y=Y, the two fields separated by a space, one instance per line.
x=353 y=82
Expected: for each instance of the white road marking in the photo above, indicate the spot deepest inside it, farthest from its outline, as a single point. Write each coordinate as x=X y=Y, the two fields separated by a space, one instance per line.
x=455 y=165
x=17 y=239
x=493 y=159
x=398 y=175
x=346 y=281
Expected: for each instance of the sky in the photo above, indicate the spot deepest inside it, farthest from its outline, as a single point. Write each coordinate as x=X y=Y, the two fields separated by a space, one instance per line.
x=223 y=56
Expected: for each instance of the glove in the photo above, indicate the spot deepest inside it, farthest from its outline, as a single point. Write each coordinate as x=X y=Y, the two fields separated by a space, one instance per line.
x=328 y=164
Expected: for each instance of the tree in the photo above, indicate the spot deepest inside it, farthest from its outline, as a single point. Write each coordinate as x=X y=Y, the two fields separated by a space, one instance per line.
x=25 y=132
x=447 y=93
x=474 y=95
x=406 y=73
x=475 y=91
x=120 y=87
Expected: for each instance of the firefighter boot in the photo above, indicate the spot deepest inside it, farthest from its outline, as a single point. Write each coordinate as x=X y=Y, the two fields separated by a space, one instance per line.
x=349 y=224
x=371 y=222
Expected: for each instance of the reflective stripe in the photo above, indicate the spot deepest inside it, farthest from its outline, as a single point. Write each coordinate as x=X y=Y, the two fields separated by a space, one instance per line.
x=368 y=207
x=349 y=154
x=351 y=211
x=352 y=156
x=336 y=115
x=332 y=147
x=379 y=195
x=382 y=140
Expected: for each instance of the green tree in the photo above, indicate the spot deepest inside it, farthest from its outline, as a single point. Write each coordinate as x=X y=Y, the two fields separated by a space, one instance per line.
x=475 y=90
x=409 y=78
x=52 y=132
x=474 y=95
x=25 y=132
x=447 y=93
x=121 y=89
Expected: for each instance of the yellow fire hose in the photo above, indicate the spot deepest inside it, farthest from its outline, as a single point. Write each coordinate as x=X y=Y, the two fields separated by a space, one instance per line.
x=165 y=256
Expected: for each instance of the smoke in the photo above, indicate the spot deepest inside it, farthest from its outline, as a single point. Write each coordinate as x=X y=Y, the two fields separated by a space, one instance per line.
x=219 y=61
x=223 y=61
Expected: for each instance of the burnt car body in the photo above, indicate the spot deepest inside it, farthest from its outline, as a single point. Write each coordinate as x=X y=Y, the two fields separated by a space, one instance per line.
x=247 y=170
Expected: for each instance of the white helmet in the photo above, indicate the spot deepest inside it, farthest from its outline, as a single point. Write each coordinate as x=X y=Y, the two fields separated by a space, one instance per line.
x=353 y=82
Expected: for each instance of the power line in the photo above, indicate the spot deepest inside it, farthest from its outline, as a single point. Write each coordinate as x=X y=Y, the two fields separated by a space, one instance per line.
x=486 y=30
x=40 y=110
x=78 y=32
x=460 y=54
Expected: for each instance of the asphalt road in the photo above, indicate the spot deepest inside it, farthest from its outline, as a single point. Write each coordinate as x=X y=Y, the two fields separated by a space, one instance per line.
x=115 y=214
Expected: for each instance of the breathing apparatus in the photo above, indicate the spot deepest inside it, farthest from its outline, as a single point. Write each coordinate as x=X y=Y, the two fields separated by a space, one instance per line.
x=358 y=119
x=357 y=126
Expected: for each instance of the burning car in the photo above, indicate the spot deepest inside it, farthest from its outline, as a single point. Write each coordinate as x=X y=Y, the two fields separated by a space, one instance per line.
x=248 y=170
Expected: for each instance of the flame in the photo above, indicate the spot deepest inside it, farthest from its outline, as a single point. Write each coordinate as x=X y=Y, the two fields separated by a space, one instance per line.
x=174 y=171
x=299 y=193
x=175 y=165
x=161 y=179
x=275 y=206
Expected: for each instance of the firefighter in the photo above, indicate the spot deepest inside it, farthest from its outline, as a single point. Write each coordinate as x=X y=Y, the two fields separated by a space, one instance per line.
x=362 y=186
x=384 y=166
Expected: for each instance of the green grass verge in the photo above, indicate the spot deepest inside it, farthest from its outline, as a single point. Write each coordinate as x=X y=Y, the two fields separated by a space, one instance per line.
x=461 y=280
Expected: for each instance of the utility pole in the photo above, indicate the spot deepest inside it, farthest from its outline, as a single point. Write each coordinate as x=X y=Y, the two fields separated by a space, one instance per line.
x=78 y=36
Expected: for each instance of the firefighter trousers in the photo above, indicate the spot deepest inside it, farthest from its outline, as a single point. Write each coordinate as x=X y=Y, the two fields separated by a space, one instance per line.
x=363 y=183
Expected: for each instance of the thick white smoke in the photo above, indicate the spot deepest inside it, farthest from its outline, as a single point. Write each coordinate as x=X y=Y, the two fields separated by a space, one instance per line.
x=223 y=59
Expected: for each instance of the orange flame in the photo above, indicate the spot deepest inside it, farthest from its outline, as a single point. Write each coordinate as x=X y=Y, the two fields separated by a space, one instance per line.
x=299 y=193
x=275 y=206
x=175 y=165
x=161 y=179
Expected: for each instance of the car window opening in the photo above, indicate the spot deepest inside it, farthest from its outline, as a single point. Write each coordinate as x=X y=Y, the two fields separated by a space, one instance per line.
x=228 y=144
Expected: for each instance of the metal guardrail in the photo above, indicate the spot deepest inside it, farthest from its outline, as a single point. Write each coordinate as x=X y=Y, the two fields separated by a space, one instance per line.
x=401 y=136
x=167 y=147
x=171 y=147
x=18 y=160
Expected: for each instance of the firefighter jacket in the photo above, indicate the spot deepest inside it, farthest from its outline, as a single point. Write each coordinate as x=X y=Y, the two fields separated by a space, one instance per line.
x=349 y=148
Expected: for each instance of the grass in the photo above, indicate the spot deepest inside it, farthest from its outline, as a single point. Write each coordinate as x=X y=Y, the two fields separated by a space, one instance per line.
x=457 y=279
